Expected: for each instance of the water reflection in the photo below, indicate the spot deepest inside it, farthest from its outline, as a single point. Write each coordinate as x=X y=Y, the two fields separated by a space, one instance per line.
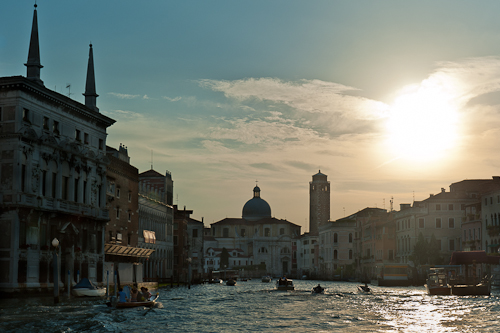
x=255 y=306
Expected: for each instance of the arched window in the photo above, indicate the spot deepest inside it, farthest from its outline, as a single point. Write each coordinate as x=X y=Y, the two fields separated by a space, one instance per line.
x=263 y=250
x=267 y=232
x=335 y=255
x=282 y=231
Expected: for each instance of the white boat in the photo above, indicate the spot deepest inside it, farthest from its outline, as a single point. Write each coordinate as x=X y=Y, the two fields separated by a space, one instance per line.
x=266 y=278
x=86 y=288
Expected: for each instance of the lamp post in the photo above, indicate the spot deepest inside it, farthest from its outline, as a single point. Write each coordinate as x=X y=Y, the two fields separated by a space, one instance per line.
x=189 y=272
x=55 y=243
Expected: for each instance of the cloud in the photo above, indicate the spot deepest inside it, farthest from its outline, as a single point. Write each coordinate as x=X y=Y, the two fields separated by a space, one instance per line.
x=304 y=95
x=175 y=99
x=124 y=96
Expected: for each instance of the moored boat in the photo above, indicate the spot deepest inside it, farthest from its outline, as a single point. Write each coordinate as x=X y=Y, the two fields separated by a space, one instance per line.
x=86 y=288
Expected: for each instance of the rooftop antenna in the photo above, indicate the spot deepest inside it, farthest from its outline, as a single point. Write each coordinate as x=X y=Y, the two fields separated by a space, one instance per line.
x=68 y=86
x=392 y=202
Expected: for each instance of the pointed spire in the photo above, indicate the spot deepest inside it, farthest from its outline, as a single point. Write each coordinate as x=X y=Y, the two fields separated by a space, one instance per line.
x=90 y=94
x=33 y=64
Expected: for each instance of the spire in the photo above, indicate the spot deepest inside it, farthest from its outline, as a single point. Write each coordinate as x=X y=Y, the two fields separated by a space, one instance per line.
x=33 y=64
x=90 y=94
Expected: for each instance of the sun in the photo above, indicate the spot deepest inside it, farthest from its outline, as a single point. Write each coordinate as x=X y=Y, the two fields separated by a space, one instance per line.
x=423 y=123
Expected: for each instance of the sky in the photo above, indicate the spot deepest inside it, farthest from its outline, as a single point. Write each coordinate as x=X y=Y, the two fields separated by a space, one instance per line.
x=392 y=100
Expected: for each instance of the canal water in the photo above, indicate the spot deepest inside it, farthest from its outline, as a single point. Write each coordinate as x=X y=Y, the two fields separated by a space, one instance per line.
x=254 y=306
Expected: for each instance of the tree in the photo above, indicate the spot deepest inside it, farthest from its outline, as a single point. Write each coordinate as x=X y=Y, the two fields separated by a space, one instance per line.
x=434 y=249
x=420 y=255
x=224 y=258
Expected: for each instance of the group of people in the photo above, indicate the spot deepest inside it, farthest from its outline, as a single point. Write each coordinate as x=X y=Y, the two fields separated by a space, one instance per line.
x=282 y=281
x=135 y=295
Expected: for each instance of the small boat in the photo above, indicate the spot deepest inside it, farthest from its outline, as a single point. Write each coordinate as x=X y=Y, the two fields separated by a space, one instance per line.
x=231 y=282
x=86 y=288
x=149 y=303
x=318 y=290
x=437 y=282
x=266 y=278
x=286 y=284
x=364 y=289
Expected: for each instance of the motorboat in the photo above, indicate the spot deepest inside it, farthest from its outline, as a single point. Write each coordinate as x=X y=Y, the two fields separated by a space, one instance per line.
x=285 y=284
x=125 y=305
x=86 y=288
x=231 y=282
x=318 y=290
x=364 y=289
x=437 y=282
x=266 y=278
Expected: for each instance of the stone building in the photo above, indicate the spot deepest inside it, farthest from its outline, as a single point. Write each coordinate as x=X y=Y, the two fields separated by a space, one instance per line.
x=188 y=246
x=319 y=202
x=52 y=179
x=265 y=241
x=121 y=238
x=156 y=217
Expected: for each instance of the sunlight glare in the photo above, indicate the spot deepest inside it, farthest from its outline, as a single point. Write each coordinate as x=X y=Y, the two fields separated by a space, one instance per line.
x=423 y=123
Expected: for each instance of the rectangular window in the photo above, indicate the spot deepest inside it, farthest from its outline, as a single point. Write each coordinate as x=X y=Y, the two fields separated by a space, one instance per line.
x=117 y=212
x=65 y=184
x=451 y=223
x=450 y=207
x=421 y=223
x=26 y=115
x=46 y=123
x=129 y=216
x=195 y=233
x=267 y=232
x=225 y=232
x=243 y=232
x=86 y=138
x=452 y=245
x=44 y=182
x=78 y=135
x=101 y=144
x=438 y=206
x=23 y=178
x=175 y=240
x=75 y=199
x=54 y=182
x=84 y=191
x=438 y=223
x=118 y=192
x=129 y=196
x=55 y=127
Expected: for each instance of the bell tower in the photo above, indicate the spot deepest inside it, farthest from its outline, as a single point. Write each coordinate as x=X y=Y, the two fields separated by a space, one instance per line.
x=319 y=202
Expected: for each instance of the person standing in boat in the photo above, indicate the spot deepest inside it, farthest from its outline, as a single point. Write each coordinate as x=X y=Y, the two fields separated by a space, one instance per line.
x=133 y=294
x=122 y=297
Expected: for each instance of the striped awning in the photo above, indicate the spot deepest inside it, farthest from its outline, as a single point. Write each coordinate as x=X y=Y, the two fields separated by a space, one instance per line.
x=127 y=251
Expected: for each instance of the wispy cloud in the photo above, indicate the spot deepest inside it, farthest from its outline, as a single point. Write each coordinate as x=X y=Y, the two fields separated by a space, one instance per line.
x=175 y=99
x=124 y=96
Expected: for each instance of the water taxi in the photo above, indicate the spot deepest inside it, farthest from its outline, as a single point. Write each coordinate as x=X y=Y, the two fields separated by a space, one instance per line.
x=284 y=284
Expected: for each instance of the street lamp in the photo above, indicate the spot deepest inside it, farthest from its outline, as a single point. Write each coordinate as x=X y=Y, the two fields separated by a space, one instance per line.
x=55 y=244
x=189 y=272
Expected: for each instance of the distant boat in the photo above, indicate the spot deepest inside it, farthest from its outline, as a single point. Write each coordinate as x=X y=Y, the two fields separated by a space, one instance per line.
x=86 y=288
x=231 y=282
x=318 y=290
x=364 y=289
x=266 y=278
x=285 y=285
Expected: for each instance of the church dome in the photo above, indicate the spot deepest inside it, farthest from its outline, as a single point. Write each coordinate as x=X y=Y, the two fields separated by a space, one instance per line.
x=256 y=208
